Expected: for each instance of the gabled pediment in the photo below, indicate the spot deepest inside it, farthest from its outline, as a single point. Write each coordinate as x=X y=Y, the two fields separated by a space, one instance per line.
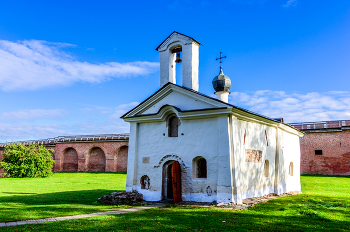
x=181 y=98
x=174 y=38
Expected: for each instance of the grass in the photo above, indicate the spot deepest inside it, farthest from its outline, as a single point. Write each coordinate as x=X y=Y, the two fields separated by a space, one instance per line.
x=324 y=206
x=61 y=194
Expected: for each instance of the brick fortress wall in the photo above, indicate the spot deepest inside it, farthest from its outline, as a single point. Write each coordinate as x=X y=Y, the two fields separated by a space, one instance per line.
x=98 y=156
x=91 y=156
x=325 y=147
x=335 y=158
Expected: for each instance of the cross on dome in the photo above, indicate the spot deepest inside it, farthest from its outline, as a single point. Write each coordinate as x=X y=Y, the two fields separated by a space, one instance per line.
x=221 y=57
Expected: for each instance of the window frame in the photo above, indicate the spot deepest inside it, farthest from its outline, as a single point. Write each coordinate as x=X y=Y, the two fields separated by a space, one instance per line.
x=291 y=169
x=170 y=125
x=195 y=171
x=266 y=168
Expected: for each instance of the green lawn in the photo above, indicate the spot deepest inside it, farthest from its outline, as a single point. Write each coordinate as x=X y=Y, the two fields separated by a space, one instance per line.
x=61 y=194
x=324 y=206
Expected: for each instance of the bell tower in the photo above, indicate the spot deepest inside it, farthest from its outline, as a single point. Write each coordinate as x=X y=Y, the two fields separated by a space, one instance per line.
x=170 y=51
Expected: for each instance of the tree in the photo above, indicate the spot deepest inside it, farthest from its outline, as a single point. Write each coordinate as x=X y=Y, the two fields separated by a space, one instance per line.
x=27 y=161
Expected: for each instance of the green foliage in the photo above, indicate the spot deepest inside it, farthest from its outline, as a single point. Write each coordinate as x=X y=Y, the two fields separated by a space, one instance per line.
x=27 y=161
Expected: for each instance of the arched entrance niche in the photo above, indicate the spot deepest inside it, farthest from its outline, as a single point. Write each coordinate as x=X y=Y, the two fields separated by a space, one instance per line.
x=70 y=160
x=96 y=160
x=121 y=159
x=171 y=179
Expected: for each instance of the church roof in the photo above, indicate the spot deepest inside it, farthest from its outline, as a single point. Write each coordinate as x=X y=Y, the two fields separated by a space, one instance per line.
x=206 y=96
x=173 y=34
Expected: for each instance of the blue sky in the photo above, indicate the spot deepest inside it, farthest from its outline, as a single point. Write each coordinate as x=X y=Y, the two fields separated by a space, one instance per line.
x=74 y=67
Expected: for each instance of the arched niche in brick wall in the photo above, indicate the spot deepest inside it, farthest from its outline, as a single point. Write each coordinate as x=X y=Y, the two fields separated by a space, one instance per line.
x=121 y=159
x=70 y=160
x=96 y=160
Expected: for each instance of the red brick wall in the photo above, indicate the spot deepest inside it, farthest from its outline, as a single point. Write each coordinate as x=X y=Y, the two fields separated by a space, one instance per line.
x=91 y=156
x=96 y=160
x=335 y=147
x=121 y=159
x=70 y=160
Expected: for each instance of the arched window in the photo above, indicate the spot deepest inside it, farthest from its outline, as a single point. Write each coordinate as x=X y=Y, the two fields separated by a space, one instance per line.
x=291 y=169
x=173 y=126
x=199 y=167
x=266 y=168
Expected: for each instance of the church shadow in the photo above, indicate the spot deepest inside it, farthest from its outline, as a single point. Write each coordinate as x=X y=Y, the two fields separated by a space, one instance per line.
x=85 y=197
x=197 y=219
x=24 y=206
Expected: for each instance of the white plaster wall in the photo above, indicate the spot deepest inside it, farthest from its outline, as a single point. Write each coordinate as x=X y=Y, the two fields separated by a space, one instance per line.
x=251 y=181
x=225 y=190
x=290 y=152
x=190 y=63
x=200 y=138
x=179 y=100
x=229 y=176
x=132 y=151
x=167 y=67
x=252 y=174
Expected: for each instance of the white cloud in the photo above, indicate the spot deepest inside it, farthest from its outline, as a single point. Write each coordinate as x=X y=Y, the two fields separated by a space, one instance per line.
x=290 y=3
x=32 y=114
x=295 y=107
x=109 y=124
x=122 y=109
x=34 y=64
x=21 y=132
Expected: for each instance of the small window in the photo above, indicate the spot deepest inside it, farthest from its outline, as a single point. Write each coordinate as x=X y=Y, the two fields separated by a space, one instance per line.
x=325 y=125
x=308 y=126
x=173 y=126
x=291 y=169
x=318 y=152
x=266 y=168
x=200 y=167
x=343 y=123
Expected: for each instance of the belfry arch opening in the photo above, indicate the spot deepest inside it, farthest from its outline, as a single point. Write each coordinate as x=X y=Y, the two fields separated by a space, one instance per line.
x=176 y=52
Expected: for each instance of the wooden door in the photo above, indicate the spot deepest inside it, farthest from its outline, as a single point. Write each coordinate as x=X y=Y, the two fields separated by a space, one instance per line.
x=176 y=181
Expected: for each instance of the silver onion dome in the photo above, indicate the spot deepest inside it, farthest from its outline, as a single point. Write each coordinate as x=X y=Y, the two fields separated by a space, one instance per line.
x=221 y=82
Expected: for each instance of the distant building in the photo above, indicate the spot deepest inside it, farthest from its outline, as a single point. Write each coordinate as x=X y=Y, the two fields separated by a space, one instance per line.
x=325 y=147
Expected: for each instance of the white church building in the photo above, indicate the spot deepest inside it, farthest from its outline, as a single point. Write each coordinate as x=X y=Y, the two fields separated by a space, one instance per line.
x=187 y=146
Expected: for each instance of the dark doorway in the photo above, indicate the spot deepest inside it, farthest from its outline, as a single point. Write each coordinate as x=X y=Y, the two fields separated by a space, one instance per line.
x=171 y=181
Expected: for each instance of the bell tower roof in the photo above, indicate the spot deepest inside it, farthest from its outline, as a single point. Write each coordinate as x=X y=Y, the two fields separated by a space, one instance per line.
x=174 y=34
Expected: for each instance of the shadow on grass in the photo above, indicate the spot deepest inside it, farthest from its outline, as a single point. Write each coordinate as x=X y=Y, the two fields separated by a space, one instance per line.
x=34 y=206
x=67 y=197
x=191 y=219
